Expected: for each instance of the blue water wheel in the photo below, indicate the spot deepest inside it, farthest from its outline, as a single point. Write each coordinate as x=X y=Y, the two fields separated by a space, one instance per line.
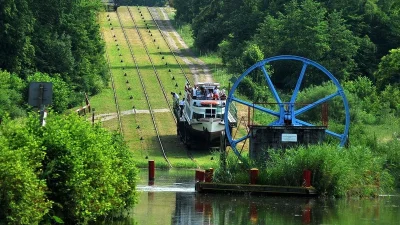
x=287 y=110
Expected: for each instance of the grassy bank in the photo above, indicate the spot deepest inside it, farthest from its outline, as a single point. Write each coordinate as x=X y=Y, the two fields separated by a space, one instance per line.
x=355 y=171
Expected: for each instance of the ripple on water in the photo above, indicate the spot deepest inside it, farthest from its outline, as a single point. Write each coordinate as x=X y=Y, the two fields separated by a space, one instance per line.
x=165 y=189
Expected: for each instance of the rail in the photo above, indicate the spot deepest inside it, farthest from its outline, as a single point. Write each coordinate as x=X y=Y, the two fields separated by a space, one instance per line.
x=144 y=87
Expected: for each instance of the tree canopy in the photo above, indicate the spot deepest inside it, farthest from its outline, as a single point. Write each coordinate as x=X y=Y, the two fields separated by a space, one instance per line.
x=348 y=37
x=58 y=38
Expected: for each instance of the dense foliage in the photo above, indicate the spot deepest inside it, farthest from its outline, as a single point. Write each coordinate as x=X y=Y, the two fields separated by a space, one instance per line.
x=58 y=38
x=357 y=41
x=65 y=171
x=349 y=38
x=356 y=171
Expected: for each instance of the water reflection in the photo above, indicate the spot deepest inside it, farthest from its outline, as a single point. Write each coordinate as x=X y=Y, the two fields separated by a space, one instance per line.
x=172 y=200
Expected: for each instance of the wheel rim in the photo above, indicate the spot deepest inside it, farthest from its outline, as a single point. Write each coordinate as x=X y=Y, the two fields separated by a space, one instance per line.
x=282 y=113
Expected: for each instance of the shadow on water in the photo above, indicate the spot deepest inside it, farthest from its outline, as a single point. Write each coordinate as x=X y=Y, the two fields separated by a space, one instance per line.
x=172 y=200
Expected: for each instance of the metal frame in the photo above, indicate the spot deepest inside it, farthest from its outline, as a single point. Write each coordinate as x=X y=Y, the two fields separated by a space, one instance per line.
x=293 y=112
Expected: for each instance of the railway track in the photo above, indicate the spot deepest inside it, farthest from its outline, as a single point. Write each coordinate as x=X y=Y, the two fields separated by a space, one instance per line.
x=149 y=97
x=145 y=91
x=154 y=16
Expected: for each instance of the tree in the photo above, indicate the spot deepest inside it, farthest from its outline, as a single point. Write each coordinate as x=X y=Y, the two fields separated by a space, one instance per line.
x=207 y=27
x=61 y=90
x=16 y=26
x=11 y=101
x=389 y=70
x=306 y=29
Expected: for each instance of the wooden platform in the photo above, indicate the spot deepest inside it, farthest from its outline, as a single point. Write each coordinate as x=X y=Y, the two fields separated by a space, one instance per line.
x=203 y=187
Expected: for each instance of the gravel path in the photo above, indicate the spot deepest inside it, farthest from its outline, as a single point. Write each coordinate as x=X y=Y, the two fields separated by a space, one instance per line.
x=198 y=68
x=110 y=116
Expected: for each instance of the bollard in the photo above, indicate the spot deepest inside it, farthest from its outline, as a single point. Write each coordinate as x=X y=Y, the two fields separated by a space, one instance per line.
x=307 y=178
x=200 y=175
x=253 y=175
x=209 y=175
x=151 y=170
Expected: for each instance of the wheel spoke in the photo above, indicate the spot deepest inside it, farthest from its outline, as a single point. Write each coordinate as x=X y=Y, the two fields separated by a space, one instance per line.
x=312 y=105
x=240 y=139
x=299 y=81
x=271 y=85
x=340 y=136
x=326 y=131
x=263 y=109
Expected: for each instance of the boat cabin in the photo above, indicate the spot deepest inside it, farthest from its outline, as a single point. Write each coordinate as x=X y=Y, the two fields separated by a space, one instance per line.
x=202 y=101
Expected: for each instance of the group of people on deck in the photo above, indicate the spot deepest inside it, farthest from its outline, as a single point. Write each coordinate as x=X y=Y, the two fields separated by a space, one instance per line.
x=203 y=93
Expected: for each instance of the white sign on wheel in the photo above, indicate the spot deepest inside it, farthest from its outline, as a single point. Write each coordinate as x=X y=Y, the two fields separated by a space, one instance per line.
x=289 y=137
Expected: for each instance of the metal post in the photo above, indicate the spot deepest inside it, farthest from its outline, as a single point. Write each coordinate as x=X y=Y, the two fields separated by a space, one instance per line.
x=41 y=105
x=151 y=170
x=93 y=110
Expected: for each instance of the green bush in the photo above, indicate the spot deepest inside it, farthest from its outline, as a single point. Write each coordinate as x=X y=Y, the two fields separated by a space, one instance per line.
x=22 y=193
x=335 y=172
x=67 y=171
x=89 y=172
x=391 y=152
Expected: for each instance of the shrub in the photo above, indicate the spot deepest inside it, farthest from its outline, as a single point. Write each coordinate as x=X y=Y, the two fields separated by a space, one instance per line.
x=335 y=172
x=89 y=172
x=66 y=171
x=22 y=193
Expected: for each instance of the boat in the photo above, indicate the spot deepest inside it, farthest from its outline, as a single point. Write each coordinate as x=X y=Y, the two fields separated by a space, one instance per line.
x=199 y=112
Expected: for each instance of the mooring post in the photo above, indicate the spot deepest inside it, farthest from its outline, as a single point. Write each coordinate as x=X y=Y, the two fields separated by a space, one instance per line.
x=200 y=174
x=209 y=175
x=151 y=170
x=307 y=178
x=253 y=175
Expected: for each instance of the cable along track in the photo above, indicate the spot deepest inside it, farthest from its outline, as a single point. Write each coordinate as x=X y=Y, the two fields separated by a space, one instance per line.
x=157 y=76
x=167 y=42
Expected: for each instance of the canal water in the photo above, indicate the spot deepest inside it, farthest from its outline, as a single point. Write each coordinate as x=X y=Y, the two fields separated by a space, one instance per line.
x=172 y=200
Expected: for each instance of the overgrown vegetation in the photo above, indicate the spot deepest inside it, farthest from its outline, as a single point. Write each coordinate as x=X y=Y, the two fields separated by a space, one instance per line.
x=341 y=36
x=65 y=171
x=355 y=171
x=60 y=40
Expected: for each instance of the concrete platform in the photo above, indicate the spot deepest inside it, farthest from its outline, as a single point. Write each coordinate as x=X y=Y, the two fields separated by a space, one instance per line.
x=203 y=187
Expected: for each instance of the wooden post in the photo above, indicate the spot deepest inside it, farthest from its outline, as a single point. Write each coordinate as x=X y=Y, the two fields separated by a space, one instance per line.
x=200 y=175
x=151 y=170
x=253 y=175
x=307 y=178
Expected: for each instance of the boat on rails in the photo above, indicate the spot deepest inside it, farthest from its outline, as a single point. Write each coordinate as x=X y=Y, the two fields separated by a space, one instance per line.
x=200 y=114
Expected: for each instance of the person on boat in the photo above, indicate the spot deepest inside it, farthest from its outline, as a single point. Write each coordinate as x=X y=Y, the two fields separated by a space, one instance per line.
x=208 y=94
x=216 y=93
x=223 y=95
x=202 y=95
x=181 y=105
x=175 y=95
x=194 y=92
x=187 y=86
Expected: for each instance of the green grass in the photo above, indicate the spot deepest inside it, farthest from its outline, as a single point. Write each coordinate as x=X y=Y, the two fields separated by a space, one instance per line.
x=357 y=171
x=142 y=141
